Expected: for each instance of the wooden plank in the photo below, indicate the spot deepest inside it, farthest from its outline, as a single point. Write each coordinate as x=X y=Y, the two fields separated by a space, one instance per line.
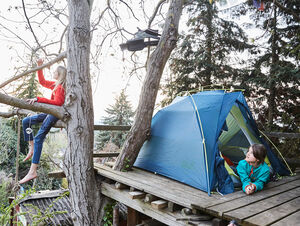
x=165 y=181
x=110 y=128
x=150 y=186
x=275 y=214
x=57 y=174
x=241 y=194
x=180 y=194
x=116 y=216
x=220 y=209
x=105 y=154
x=250 y=210
x=120 y=186
x=191 y=192
x=123 y=197
x=149 y=198
x=109 y=164
x=133 y=217
x=159 y=204
x=293 y=219
x=161 y=181
x=137 y=194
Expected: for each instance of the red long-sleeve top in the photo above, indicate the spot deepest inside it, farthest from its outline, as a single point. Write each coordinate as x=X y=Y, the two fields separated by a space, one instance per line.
x=57 y=96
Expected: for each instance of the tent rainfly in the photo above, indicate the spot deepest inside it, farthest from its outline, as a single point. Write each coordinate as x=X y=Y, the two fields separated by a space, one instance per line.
x=189 y=136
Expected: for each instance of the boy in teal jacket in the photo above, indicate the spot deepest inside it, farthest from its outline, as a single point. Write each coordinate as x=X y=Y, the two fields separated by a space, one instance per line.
x=253 y=171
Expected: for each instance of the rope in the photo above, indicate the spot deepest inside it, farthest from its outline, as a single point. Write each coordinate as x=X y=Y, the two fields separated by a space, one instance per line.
x=277 y=151
x=16 y=187
x=205 y=154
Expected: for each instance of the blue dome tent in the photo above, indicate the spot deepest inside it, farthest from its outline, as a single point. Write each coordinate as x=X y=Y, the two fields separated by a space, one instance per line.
x=188 y=136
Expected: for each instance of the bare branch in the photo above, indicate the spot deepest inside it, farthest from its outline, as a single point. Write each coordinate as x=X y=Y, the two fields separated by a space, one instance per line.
x=15 y=112
x=25 y=14
x=130 y=9
x=155 y=12
x=61 y=38
x=56 y=111
x=58 y=58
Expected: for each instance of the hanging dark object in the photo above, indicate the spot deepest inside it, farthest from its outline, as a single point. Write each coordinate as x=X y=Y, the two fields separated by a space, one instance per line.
x=259 y=5
x=138 y=43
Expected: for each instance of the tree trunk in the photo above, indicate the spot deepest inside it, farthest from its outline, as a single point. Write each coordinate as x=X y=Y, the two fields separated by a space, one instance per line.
x=140 y=130
x=209 y=37
x=272 y=87
x=85 y=196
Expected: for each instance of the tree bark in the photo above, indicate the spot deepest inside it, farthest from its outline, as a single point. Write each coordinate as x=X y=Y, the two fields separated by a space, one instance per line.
x=78 y=163
x=140 y=130
x=57 y=111
x=272 y=84
x=208 y=45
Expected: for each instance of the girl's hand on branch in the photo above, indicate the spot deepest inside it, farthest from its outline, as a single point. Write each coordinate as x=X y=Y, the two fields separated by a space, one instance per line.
x=32 y=101
x=40 y=62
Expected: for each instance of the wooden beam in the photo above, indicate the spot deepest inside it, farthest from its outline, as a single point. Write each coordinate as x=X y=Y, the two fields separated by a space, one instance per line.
x=116 y=217
x=105 y=154
x=149 y=198
x=109 y=164
x=57 y=174
x=120 y=186
x=137 y=194
x=159 y=204
x=122 y=196
x=133 y=217
x=109 y=127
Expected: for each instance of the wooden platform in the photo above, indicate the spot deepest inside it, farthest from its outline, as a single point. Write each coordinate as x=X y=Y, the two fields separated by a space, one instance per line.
x=278 y=203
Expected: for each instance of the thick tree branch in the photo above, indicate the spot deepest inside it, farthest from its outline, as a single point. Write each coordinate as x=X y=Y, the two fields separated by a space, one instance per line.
x=57 y=59
x=57 y=111
x=140 y=130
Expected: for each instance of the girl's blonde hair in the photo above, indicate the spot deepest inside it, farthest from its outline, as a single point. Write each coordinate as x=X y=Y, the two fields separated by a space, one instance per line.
x=62 y=74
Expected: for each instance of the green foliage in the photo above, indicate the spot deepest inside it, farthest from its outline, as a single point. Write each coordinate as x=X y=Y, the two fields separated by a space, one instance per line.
x=35 y=213
x=8 y=150
x=5 y=211
x=5 y=189
x=8 y=141
x=207 y=53
x=39 y=216
x=108 y=217
x=29 y=88
x=274 y=78
x=126 y=165
x=118 y=114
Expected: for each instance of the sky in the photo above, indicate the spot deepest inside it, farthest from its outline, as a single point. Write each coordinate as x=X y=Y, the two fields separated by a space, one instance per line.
x=114 y=73
x=107 y=83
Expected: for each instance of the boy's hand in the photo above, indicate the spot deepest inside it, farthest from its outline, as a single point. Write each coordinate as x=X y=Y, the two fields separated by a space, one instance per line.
x=250 y=189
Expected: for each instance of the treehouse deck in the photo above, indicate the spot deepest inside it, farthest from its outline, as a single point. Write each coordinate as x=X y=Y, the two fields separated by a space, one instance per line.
x=174 y=203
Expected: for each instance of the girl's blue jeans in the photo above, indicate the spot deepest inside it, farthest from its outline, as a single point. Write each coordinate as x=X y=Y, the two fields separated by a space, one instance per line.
x=47 y=122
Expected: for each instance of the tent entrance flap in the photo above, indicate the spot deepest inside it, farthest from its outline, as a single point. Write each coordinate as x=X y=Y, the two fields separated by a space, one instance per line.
x=235 y=142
